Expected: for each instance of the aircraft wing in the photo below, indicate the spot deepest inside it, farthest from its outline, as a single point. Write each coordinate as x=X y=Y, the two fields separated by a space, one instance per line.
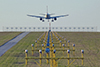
x=60 y=16
x=35 y=16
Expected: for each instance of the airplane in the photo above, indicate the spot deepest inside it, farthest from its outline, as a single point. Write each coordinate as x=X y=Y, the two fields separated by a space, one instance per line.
x=48 y=16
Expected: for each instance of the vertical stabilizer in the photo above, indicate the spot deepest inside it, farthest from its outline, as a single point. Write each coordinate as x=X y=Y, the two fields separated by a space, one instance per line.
x=47 y=9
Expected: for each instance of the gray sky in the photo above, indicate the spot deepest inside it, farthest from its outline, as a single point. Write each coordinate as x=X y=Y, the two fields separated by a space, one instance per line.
x=81 y=12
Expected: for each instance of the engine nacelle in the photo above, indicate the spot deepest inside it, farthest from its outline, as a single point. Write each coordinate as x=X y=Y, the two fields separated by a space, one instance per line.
x=55 y=18
x=40 y=18
x=52 y=20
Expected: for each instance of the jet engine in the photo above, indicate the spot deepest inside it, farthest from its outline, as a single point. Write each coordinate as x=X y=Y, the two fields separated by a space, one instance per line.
x=55 y=18
x=40 y=18
x=52 y=20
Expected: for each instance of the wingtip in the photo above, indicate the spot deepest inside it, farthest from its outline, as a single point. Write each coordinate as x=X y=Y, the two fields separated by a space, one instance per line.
x=67 y=15
x=27 y=14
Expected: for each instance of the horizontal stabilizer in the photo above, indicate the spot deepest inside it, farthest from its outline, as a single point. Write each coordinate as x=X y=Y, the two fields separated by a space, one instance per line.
x=42 y=14
x=52 y=14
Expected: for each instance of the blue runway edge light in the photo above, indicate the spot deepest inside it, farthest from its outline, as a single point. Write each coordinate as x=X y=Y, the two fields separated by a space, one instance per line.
x=48 y=44
x=49 y=30
x=54 y=51
x=47 y=50
x=68 y=51
x=82 y=51
x=47 y=41
x=53 y=45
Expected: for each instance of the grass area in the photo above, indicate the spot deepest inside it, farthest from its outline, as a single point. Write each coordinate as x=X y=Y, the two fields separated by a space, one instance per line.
x=14 y=57
x=6 y=36
x=89 y=42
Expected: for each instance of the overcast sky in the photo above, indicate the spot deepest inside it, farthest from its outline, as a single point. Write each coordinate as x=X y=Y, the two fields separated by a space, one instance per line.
x=81 y=12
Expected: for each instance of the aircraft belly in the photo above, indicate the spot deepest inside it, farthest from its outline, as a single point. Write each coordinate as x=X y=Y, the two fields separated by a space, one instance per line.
x=47 y=18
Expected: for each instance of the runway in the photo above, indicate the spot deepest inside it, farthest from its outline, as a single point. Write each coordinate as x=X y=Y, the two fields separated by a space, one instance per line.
x=11 y=43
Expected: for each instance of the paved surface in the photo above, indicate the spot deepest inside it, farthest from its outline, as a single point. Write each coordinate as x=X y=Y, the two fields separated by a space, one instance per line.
x=11 y=43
